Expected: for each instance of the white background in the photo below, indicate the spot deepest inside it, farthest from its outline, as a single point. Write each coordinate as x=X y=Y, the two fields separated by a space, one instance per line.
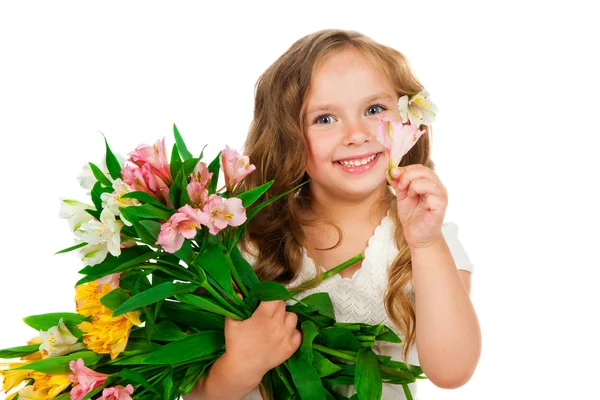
x=515 y=143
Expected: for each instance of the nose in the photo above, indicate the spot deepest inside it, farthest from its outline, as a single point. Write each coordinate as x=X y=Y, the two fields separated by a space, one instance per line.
x=357 y=132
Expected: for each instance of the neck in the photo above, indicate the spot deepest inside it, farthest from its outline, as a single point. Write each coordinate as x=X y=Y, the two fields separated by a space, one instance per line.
x=349 y=210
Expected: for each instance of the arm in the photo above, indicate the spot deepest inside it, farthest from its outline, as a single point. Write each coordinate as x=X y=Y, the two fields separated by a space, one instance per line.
x=221 y=383
x=448 y=335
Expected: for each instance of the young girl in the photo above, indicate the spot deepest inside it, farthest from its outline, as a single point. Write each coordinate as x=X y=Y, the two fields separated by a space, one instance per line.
x=316 y=114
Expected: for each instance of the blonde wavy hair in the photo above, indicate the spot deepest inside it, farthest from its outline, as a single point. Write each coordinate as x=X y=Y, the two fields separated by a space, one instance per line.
x=276 y=144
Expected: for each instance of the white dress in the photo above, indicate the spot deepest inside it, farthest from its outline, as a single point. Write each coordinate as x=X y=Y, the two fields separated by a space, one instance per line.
x=361 y=297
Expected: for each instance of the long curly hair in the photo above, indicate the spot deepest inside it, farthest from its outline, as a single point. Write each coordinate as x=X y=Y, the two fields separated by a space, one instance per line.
x=276 y=144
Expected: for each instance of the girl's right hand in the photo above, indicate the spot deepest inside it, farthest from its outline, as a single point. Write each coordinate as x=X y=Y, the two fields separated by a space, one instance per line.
x=262 y=342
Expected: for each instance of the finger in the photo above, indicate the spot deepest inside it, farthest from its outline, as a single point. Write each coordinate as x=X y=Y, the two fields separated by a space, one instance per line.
x=414 y=172
x=296 y=339
x=279 y=313
x=267 y=308
x=422 y=187
x=290 y=321
x=433 y=203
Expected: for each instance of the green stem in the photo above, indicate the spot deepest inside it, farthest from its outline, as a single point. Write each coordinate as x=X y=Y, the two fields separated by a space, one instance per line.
x=178 y=267
x=236 y=276
x=331 y=272
x=397 y=373
x=407 y=392
x=366 y=338
x=367 y=345
x=284 y=379
x=220 y=298
x=334 y=353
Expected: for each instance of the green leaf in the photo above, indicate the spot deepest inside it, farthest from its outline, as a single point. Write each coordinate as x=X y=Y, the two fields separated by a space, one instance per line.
x=367 y=377
x=19 y=351
x=309 y=332
x=184 y=197
x=217 y=265
x=152 y=227
x=114 y=298
x=181 y=144
x=131 y=256
x=202 y=303
x=196 y=345
x=146 y=198
x=100 y=175
x=176 y=163
x=305 y=378
x=68 y=249
x=167 y=331
x=191 y=317
x=60 y=364
x=248 y=198
x=214 y=167
x=152 y=295
x=112 y=164
x=322 y=365
x=321 y=302
x=244 y=268
x=185 y=253
x=147 y=211
x=339 y=338
x=135 y=377
x=96 y=192
x=176 y=189
x=46 y=321
x=269 y=291
x=189 y=165
x=168 y=385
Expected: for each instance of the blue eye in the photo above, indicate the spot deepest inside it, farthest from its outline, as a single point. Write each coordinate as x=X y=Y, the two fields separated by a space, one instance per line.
x=321 y=118
x=376 y=106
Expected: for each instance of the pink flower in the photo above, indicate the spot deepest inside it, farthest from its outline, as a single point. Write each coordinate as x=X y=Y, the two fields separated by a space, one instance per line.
x=397 y=138
x=85 y=379
x=198 y=194
x=235 y=167
x=117 y=393
x=201 y=174
x=143 y=179
x=222 y=212
x=156 y=157
x=113 y=279
x=181 y=225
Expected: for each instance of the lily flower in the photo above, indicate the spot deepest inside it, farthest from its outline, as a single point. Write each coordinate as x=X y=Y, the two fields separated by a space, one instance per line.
x=235 y=167
x=58 y=341
x=117 y=393
x=222 y=212
x=182 y=225
x=155 y=157
x=397 y=138
x=113 y=201
x=74 y=211
x=85 y=380
x=419 y=110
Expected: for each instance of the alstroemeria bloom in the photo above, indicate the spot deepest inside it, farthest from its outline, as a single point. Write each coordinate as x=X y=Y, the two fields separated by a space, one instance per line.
x=419 y=110
x=182 y=225
x=397 y=138
x=74 y=211
x=197 y=188
x=143 y=179
x=222 y=212
x=113 y=280
x=45 y=386
x=11 y=377
x=117 y=393
x=104 y=233
x=155 y=157
x=113 y=201
x=85 y=379
x=235 y=167
x=58 y=341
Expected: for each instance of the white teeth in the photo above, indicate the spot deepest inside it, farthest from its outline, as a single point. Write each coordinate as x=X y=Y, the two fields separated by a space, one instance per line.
x=357 y=163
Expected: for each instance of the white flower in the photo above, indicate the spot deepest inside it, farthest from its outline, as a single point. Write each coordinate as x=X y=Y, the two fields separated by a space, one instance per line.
x=74 y=211
x=113 y=201
x=100 y=235
x=419 y=110
x=58 y=341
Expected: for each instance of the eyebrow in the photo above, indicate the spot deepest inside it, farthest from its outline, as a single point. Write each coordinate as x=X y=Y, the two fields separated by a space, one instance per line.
x=325 y=107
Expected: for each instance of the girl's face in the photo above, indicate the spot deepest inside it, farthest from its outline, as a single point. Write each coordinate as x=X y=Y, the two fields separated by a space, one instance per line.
x=346 y=101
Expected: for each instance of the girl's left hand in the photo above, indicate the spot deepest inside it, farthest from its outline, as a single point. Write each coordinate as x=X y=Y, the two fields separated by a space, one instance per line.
x=422 y=200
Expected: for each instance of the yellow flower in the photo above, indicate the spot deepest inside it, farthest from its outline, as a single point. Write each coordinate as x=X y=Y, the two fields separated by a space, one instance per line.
x=13 y=377
x=87 y=298
x=51 y=384
x=38 y=354
x=107 y=334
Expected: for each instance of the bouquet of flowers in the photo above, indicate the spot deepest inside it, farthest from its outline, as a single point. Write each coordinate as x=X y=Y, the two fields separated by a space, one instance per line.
x=162 y=270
